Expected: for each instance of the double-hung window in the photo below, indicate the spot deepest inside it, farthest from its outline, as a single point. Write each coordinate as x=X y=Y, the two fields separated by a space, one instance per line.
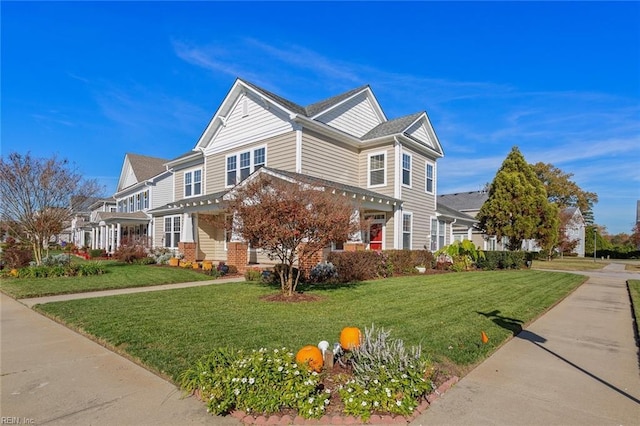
x=131 y=208
x=406 y=169
x=145 y=199
x=429 y=184
x=241 y=165
x=406 y=231
x=377 y=169
x=171 y=231
x=193 y=183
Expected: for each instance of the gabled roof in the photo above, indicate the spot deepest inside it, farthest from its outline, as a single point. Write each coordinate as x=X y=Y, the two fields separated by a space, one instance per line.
x=145 y=167
x=139 y=168
x=392 y=127
x=443 y=210
x=312 y=114
x=464 y=201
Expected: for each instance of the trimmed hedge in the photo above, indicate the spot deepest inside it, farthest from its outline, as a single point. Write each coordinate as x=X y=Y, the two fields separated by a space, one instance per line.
x=504 y=260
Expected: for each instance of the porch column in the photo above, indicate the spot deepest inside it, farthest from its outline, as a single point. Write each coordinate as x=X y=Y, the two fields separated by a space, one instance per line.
x=118 y=234
x=187 y=231
x=113 y=238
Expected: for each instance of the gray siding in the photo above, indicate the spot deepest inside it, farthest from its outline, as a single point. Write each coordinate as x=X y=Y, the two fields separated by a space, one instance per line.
x=388 y=189
x=210 y=242
x=161 y=193
x=329 y=159
x=280 y=154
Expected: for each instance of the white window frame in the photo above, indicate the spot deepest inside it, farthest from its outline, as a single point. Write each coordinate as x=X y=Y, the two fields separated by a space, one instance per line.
x=192 y=183
x=253 y=166
x=403 y=169
x=172 y=243
x=408 y=215
x=384 y=169
x=426 y=177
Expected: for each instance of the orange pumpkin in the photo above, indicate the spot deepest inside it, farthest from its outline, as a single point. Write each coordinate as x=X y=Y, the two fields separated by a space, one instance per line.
x=350 y=338
x=312 y=356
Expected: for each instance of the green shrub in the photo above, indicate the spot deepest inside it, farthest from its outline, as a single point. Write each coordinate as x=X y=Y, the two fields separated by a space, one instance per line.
x=360 y=265
x=504 y=260
x=253 y=274
x=261 y=382
x=387 y=377
x=97 y=253
x=405 y=261
x=91 y=268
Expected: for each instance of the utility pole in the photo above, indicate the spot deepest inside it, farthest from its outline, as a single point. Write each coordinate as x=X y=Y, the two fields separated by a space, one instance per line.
x=595 y=233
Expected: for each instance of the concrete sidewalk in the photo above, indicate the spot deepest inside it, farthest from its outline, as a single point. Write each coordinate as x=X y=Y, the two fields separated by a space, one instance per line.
x=52 y=375
x=576 y=365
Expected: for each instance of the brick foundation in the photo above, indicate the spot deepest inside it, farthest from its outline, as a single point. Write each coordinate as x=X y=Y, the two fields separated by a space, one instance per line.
x=237 y=256
x=188 y=250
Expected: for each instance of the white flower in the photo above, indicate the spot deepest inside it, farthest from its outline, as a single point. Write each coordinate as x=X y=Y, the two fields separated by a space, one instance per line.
x=398 y=403
x=244 y=380
x=350 y=399
x=236 y=391
x=364 y=403
x=366 y=392
x=251 y=380
x=311 y=400
x=404 y=376
x=280 y=368
x=376 y=381
x=376 y=403
x=326 y=402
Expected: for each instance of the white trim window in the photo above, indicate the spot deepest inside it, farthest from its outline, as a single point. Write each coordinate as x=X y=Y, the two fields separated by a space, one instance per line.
x=145 y=199
x=437 y=233
x=240 y=165
x=377 y=169
x=407 y=227
x=171 y=231
x=193 y=183
x=406 y=170
x=430 y=180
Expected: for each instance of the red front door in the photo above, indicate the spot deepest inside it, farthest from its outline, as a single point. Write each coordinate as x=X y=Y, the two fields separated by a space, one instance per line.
x=375 y=237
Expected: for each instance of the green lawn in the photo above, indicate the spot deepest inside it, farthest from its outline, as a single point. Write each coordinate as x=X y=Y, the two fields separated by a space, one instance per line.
x=119 y=275
x=634 y=290
x=445 y=313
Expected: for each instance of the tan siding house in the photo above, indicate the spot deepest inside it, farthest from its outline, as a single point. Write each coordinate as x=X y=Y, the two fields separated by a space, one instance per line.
x=345 y=143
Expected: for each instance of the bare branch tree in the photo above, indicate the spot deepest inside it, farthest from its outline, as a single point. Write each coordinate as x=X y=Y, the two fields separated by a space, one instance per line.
x=36 y=196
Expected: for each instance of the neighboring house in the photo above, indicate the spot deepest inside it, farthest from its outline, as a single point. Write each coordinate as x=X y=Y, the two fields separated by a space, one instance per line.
x=345 y=143
x=80 y=224
x=470 y=203
x=145 y=183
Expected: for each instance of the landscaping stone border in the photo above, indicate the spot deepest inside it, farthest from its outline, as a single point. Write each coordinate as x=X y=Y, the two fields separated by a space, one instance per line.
x=277 y=420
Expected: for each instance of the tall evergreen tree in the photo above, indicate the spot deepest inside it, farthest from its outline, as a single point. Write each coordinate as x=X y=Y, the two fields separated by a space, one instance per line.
x=517 y=206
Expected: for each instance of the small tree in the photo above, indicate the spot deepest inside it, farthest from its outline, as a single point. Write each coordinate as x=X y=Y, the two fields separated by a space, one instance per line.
x=36 y=195
x=291 y=220
x=517 y=206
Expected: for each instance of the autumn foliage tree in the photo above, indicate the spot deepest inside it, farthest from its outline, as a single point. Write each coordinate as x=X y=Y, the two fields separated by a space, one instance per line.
x=564 y=192
x=36 y=197
x=292 y=221
x=517 y=206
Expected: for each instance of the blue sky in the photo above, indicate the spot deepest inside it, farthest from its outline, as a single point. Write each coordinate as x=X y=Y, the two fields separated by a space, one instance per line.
x=91 y=81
